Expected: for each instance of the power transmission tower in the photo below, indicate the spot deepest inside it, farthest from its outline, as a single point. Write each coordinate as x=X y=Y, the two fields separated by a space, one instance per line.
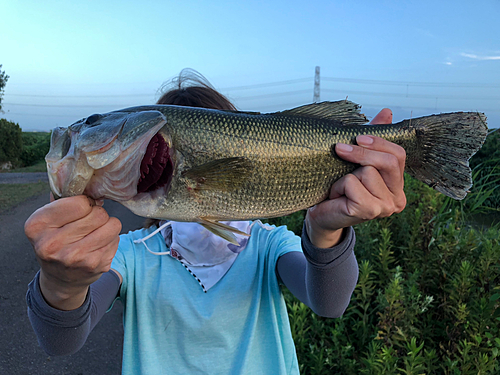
x=316 y=86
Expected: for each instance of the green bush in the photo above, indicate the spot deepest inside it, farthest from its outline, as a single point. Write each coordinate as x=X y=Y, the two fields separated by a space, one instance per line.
x=486 y=165
x=36 y=146
x=23 y=149
x=11 y=142
x=427 y=299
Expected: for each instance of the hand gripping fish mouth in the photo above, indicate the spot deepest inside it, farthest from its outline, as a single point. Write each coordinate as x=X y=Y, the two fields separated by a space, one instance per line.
x=117 y=155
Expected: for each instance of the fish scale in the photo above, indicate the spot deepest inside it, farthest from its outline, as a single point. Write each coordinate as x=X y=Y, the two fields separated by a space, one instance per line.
x=294 y=153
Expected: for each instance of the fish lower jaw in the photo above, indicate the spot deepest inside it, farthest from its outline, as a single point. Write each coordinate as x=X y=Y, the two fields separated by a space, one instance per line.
x=68 y=176
x=148 y=204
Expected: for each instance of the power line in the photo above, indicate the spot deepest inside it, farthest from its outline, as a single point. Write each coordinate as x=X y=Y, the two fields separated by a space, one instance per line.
x=270 y=84
x=410 y=83
x=286 y=82
x=286 y=94
x=37 y=114
x=416 y=96
x=282 y=94
x=79 y=84
x=235 y=88
x=427 y=108
x=291 y=81
x=278 y=94
x=66 y=105
x=80 y=96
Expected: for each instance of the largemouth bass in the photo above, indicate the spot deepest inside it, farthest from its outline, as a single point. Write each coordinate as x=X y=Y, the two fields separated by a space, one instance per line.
x=203 y=165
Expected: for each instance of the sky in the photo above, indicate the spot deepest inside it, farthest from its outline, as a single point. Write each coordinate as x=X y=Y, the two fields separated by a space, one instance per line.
x=69 y=59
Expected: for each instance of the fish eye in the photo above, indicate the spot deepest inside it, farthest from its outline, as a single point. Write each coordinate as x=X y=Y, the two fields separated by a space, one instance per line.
x=92 y=119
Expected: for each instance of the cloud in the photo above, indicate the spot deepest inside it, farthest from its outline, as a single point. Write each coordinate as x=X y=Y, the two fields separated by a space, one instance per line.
x=426 y=33
x=478 y=57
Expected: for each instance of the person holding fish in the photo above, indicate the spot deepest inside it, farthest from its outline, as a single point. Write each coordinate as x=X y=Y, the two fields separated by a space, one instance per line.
x=201 y=295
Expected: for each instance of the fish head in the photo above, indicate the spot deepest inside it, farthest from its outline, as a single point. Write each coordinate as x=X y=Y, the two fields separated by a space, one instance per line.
x=101 y=155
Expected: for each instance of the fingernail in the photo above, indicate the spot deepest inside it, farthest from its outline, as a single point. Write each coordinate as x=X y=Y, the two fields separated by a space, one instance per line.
x=343 y=147
x=95 y=202
x=364 y=140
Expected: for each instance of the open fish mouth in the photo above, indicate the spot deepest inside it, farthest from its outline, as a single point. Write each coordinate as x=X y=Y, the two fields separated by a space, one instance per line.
x=156 y=166
x=117 y=155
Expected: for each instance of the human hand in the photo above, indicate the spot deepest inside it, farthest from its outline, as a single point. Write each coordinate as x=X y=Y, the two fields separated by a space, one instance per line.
x=374 y=190
x=74 y=241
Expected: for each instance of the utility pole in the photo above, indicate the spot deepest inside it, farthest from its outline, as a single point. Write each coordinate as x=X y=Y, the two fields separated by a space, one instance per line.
x=316 y=86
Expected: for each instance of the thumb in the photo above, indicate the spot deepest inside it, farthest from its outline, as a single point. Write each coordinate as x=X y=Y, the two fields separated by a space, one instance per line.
x=383 y=117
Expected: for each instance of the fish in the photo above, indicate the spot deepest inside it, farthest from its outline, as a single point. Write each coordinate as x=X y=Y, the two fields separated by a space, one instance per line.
x=207 y=166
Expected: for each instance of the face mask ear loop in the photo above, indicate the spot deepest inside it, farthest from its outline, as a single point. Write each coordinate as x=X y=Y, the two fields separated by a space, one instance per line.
x=151 y=235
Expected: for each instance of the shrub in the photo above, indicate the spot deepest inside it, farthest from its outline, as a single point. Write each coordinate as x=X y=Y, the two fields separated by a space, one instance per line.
x=22 y=148
x=427 y=299
x=36 y=146
x=11 y=143
x=486 y=164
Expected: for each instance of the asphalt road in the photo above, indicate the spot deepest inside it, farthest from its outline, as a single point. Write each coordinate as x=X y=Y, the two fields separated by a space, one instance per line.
x=19 y=350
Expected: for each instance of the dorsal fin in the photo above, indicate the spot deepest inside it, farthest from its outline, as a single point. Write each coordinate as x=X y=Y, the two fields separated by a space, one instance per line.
x=344 y=111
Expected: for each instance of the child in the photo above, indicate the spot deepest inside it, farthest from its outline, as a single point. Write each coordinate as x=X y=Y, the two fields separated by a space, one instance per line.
x=199 y=304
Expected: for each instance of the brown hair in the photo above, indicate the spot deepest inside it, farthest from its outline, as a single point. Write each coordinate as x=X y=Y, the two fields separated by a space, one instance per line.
x=204 y=97
x=191 y=89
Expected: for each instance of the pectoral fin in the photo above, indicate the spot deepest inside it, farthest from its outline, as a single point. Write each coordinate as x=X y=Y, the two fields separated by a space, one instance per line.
x=222 y=230
x=222 y=174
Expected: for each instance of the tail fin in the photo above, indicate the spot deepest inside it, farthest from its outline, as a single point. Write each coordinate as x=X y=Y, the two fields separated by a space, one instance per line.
x=446 y=142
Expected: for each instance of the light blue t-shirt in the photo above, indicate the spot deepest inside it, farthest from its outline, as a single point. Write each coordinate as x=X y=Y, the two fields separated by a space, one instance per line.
x=240 y=326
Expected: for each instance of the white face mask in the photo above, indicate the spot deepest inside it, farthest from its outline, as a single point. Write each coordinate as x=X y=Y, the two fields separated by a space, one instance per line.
x=205 y=255
x=200 y=247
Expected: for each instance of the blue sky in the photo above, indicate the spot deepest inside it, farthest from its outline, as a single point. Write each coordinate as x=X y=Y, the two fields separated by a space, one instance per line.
x=67 y=60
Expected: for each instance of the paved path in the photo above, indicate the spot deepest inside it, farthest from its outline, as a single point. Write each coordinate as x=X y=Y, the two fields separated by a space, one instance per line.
x=19 y=351
x=22 y=178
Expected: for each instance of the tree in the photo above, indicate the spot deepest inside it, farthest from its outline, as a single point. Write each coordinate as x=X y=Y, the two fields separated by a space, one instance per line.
x=3 y=81
x=11 y=142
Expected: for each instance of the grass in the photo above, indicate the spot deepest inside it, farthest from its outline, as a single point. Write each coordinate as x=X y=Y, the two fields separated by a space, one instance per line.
x=38 y=167
x=13 y=194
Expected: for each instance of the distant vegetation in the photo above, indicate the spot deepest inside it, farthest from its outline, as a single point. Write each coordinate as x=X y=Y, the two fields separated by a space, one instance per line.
x=21 y=149
x=35 y=146
x=11 y=141
x=3 y=81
